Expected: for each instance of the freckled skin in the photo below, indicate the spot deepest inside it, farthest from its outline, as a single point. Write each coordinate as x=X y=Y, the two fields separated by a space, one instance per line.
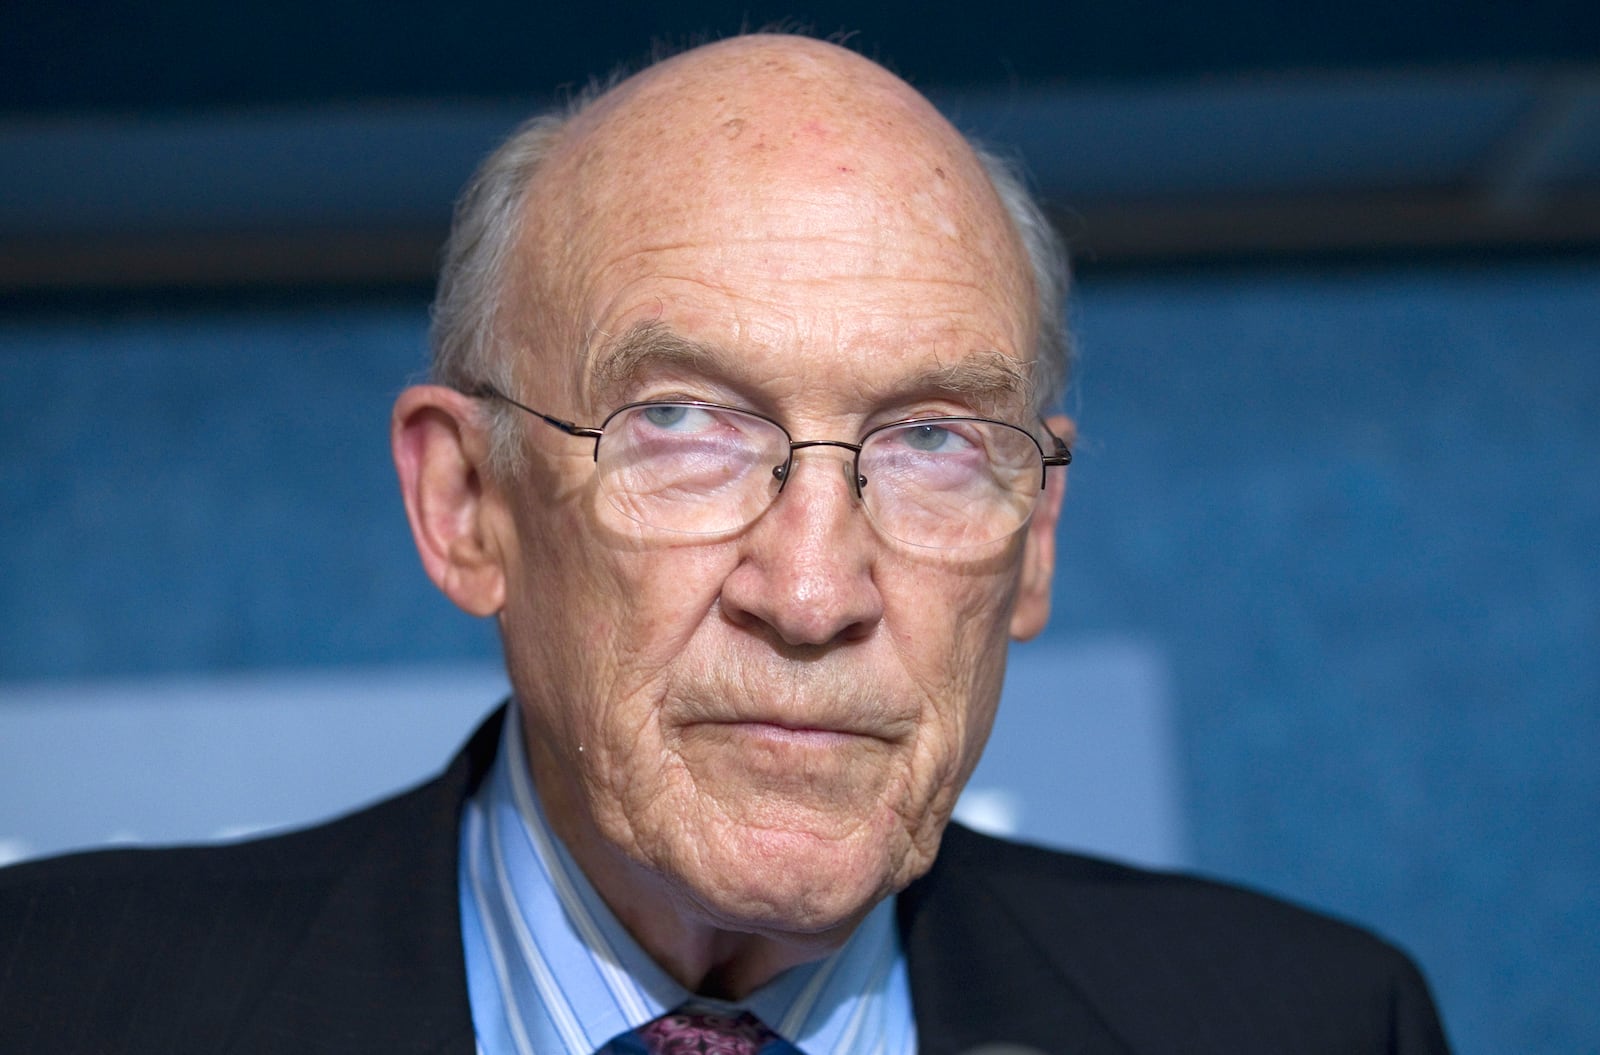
x=773 y=726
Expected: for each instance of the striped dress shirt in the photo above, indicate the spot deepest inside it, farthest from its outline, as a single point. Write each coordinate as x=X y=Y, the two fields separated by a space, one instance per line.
x=551 y=971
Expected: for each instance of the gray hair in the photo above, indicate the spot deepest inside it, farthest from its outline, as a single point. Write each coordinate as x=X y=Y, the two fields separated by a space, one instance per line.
x=1047 y=257
x=484 y=232
x=465 y=326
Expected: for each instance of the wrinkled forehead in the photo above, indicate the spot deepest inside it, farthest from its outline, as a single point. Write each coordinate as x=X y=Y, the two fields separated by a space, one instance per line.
x=766 y=148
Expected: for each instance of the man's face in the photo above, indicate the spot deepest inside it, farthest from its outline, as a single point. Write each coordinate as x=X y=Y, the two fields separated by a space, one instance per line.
x=769 y=728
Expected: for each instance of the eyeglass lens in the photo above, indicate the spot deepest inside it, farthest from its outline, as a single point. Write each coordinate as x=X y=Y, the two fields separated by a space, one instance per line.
x=692 y=469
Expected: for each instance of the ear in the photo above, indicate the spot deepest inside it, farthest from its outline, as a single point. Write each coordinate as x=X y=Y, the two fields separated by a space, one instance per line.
x=1032 y=609
x=440 y=452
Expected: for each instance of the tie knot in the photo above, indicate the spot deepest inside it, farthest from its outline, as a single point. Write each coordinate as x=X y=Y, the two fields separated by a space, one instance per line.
x=697 y=1031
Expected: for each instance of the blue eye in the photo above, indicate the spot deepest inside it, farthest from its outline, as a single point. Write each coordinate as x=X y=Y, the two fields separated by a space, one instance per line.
x=665 y=415
x=932 y=439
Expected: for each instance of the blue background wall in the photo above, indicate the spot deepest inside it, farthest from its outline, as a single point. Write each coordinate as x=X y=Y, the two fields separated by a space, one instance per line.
x=1358 y=511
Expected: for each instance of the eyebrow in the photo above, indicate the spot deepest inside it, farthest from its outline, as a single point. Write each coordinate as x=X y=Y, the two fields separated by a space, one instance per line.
x=985 y=378
x=652 y=346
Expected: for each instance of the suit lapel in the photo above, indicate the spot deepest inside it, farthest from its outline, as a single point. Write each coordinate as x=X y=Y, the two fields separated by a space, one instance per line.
x=380 y=968
x=980 y=976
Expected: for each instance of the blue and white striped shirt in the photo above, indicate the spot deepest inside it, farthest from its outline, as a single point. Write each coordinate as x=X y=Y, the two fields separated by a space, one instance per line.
x=551 y=971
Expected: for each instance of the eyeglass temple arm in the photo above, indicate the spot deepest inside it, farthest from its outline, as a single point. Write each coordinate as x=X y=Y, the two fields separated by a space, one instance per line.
x=1062 y=455
x=490 y=392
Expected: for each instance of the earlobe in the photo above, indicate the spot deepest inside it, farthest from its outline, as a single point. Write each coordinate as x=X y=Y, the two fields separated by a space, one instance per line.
x=439 y=452
x=1032 y=610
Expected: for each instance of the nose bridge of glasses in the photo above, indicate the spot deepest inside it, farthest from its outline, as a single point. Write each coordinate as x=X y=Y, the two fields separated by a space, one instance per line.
x=782 y=472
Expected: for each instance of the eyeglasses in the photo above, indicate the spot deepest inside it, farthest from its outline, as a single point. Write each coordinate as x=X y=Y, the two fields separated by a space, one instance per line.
x=691 y=468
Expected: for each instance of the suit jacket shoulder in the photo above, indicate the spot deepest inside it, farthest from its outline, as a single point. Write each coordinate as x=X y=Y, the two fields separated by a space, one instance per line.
x=1059 y=945
x=344 y=937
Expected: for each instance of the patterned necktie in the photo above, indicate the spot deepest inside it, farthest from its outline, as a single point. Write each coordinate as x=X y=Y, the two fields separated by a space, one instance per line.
x=696 y=1031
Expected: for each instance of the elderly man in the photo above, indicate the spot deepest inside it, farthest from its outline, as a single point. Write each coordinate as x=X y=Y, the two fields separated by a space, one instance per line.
x=737 y=434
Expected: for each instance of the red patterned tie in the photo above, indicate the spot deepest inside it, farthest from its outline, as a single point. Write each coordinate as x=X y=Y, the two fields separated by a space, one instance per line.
x=694 y=1031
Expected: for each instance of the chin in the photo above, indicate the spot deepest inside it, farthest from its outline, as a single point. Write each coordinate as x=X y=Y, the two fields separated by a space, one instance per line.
x=789 y=882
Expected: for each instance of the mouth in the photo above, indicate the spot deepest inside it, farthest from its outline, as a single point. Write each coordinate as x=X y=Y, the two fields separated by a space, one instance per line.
x=827 y=717
x=796 y=734
x=785 y=763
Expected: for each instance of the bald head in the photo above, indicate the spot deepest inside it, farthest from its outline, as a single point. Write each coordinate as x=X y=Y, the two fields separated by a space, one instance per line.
x=777 y=113
x=754 y=137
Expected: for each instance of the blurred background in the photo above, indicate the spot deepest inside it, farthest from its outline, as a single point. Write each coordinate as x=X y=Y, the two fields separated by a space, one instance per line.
x=1328 y=610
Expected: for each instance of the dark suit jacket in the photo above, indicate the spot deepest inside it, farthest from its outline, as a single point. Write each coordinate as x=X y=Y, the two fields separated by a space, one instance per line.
x=345 y=938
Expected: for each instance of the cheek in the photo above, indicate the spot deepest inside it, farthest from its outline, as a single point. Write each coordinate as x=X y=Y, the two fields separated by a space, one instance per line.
x=656 y=600
x=955 y=652
x=951 y=626
x=598 y=628
x=594 y=643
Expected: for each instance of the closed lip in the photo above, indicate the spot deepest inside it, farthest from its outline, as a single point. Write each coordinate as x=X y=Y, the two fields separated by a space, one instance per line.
x=795 y=732
x=824 y=715
x=800 y=731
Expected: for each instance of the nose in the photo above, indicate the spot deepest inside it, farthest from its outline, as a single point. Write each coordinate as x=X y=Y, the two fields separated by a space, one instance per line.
x=805 y=574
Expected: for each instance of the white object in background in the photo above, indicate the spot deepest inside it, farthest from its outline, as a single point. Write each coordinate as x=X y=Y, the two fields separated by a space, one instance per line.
x=182 y=759
x=1084 y=754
